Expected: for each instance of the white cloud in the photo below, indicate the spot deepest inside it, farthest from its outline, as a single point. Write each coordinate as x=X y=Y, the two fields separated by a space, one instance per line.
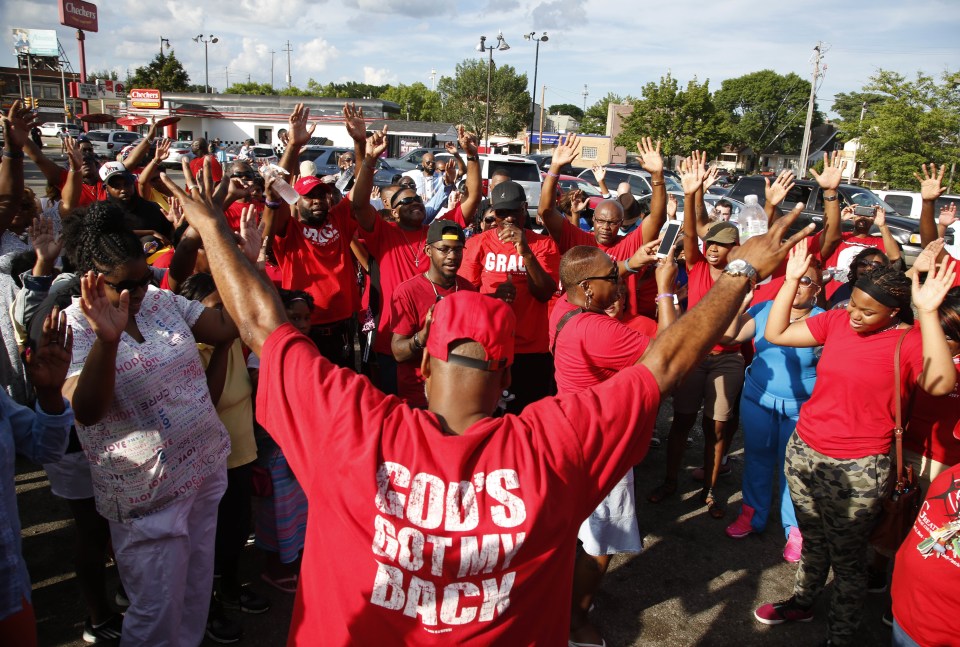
x=380 y=76
x=314 y=56
x=412 y=8
x=558 y=14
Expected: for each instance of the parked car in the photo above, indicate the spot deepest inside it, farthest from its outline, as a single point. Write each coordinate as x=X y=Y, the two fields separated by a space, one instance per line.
x=906 y=203
x=326 y=159
x=521 y=170
x=906 y=231
x=636 y=177
x=178 y=151
x=107 y=143
x=412 y=159
x=544 y=160
x=52 y=128
x=573 y=183
x=262 y=154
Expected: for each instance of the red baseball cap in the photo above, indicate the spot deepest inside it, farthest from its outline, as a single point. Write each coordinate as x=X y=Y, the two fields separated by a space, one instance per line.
x=471 y=316
x=307 y=184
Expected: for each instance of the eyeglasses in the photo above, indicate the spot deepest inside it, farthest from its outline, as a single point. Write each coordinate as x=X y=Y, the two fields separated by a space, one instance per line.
x=612 y=224
x=131 y=285
x=447 y=251
x=244 y=176
x=871 y=264
x=613 y=276
x=408 y=185
x=410 y=199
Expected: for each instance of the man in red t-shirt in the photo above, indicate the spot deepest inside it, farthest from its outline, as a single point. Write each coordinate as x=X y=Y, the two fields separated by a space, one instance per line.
x=449 y=526
x=398 y=247
x=836 y=259
x=412 y=305
x=522 y=268
x=607 y=219
x=589 y=348
x=201 y=151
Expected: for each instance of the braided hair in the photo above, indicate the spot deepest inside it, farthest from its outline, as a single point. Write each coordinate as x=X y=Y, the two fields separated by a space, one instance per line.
x=98 y=239
x=950 y=314
x=889 y=286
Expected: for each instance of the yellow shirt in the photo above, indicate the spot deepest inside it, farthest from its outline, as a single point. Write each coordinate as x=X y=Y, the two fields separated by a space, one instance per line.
x=235 y=407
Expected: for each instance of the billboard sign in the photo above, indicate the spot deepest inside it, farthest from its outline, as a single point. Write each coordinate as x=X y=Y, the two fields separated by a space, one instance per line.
x=78 y=14
x=145 y=98
x=83 y=90
x=38 y=42
x=546 y=139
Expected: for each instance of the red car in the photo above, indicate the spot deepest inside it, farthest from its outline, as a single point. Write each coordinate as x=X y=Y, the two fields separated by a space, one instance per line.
x=572 y=183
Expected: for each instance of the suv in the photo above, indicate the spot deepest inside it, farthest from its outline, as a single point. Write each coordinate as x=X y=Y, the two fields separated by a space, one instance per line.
x=412 y=159
x=107 y=143
x=906 y=231
x=634 y=175
x=522 y=170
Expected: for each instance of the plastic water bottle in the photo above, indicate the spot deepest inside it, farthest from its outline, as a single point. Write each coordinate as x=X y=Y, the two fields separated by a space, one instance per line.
x=283 y=189
x=752 y=220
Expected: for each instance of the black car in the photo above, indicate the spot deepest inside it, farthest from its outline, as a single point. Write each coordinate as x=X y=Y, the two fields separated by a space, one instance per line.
x=326 y=159
x=906 y=231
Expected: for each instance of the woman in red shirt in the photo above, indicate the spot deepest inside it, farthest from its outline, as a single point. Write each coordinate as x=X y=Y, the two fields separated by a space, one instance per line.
x=837 y=464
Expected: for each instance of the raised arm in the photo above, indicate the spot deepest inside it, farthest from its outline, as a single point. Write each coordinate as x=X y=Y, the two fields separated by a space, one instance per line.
x=707 y=176
x=691 y=178
x=247 y=295
x=890 y=245
x=363 y=211
x=600 y=175
x=70 y=194
x=939 y=374
x=469 y=204
x=776 y=193
x=930 y=190
x=461 y=166
x=16 y=130
x=686 y=342
x=551 y=217
x=299 y=132
x=140 y=152
x=779 y=329
x=829 y=181
x=652 y=163
x=144 y=179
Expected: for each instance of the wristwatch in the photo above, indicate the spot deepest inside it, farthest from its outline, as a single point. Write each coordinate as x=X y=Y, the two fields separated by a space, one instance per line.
x=740 y=267
x=473 y=158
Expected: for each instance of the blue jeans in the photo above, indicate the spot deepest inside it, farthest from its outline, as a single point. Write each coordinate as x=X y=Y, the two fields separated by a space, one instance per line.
x=899 y=638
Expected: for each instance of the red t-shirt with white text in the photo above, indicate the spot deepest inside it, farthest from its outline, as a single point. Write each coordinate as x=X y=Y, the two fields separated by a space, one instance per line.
x=591 y=348
x=850 y=245
x=926 y=589
x=851 y=411
x=487 y=263
x=318 y=261
x=411 y=301
x=438 y=539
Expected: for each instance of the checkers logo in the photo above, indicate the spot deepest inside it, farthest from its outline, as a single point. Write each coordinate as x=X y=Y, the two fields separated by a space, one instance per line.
x=78 y=14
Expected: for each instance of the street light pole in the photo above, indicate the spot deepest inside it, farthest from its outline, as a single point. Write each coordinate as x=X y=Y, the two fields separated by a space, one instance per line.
x=536 y=63
x=206 y=59
x=483 y=47
x=162 y=41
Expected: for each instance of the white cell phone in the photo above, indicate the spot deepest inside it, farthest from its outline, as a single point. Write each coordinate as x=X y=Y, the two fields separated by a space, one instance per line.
x=669 y=239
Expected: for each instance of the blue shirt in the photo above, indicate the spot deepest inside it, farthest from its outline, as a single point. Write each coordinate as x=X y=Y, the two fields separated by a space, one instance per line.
x=787 y=373
x=42 y=438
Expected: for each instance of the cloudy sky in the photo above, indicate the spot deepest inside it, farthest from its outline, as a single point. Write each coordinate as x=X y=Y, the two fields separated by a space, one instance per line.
x=609 y=45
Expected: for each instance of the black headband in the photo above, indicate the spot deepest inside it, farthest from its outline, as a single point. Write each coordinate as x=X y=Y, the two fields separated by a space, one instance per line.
x=864 y=284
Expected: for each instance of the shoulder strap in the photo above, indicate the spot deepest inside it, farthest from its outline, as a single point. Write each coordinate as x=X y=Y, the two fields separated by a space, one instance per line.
x=560 y=324
x=897 y=399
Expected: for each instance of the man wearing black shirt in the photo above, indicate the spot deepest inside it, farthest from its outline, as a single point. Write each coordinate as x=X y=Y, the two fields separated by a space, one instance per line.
x=144 y=217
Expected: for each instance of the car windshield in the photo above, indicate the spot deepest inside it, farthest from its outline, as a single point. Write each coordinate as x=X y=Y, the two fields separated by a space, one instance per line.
x=518 y=171
x=588 y=189
x=672 y=184
x=263 y=152
x=858 y=196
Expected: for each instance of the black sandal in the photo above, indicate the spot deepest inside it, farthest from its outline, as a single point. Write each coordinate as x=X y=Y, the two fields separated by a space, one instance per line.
x=663 y=491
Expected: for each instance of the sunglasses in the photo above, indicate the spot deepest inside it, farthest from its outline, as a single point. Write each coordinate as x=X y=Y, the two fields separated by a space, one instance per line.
x=806 y=281
x=489 y=220
x=131 y=285
x=410 y=199
x=244 y=176
x=871 y=264
x=613 y=276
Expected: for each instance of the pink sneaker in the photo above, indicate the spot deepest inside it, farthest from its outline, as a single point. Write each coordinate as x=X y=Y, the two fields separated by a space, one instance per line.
x=742 y=526
x=791 y=552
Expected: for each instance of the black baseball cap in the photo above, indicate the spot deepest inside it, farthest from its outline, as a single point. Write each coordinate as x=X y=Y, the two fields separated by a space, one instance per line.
x=508 y=195
x=441 y=230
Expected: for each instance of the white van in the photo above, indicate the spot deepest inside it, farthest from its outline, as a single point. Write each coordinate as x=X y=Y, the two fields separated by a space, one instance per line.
x=522 y=170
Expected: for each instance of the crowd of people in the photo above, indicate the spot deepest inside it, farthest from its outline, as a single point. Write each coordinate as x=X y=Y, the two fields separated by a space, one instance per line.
x=426 y=401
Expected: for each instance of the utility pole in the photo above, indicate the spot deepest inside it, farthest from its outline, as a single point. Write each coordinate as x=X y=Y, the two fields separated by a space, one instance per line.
x=433 y=80
x=272 y=52
x=248 y=77
x=585 y=94
x=226 y=70
x=289 y=77
x=817 y=54
x=543 y=98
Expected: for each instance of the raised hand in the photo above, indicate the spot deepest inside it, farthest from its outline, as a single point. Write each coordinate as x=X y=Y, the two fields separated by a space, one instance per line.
x=948 y=215
x=175 y=213
x=650 y=158
x=299 y=128
x=107 y=320
x=74 y=157
x=467 y=140
x=832 y=175
x=766 y=252
x=47 y=364
x=376 y=143
x=691 y=175
x=163 y=149
x=666 y=272
x=927 y=259
x=599 y=173
x=451 y=148
x=672 y=206
x=798 y=262
x=47 y=246
x=847 y=213
x=251 y=238
x=880 y=217
x=566 y=151
x=710 y=177
x=777 y=192
x=199 y=208
x=930 y=183
x=375 y=193
x=929 y=296
x=354 y=121
x=18 y=123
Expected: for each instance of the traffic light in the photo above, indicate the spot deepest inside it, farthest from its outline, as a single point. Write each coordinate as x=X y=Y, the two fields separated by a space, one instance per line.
x=30 y=102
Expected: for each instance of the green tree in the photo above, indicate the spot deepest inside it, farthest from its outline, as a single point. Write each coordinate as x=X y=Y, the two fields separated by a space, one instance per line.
x=164 y=72
x=849 y=105
x=916 y=121
x=683 y=120
x=765 y=111
x=106 y=75
x=417 y=102
x=566 y=109
x=463 y=98
x=594 y=120
x=251 y=88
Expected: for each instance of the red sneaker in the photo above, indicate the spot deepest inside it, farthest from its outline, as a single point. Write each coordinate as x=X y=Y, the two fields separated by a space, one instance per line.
x=780 y=612
x=743 y=525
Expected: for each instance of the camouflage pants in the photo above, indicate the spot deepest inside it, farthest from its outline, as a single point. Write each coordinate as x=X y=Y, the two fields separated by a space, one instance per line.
x=837 y=503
